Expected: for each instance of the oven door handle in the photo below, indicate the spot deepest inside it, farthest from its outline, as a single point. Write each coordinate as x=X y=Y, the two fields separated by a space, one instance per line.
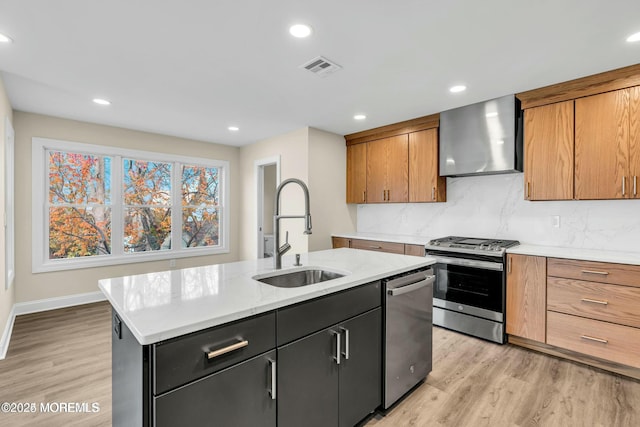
x=487 y=265
x=428 y=280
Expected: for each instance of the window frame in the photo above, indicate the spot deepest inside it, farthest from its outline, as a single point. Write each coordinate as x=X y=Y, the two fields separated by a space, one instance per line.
x=40 y=188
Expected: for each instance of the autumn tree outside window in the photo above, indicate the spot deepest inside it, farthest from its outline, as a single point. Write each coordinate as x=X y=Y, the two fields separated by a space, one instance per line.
x=105 y=206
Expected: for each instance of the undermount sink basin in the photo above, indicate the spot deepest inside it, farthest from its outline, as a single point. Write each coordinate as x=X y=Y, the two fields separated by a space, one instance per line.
x=298 y=278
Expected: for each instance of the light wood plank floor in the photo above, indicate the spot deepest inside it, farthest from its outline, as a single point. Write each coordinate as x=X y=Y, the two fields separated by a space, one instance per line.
x=65 y=356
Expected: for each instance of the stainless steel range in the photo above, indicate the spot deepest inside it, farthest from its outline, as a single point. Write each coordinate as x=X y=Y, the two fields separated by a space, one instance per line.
x=469 y=292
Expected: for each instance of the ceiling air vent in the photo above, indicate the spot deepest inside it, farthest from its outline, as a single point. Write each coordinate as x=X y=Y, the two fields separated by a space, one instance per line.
x=321 y=66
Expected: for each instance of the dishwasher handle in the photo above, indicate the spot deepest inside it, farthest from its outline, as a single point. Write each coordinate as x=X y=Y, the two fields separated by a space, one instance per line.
x=428 y=280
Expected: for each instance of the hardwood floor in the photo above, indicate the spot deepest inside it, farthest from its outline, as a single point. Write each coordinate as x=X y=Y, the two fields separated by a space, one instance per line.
x=59 y=356
x=65 y=356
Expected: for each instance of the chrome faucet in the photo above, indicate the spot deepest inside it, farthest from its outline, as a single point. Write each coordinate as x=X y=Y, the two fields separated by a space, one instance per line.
x=281 y=250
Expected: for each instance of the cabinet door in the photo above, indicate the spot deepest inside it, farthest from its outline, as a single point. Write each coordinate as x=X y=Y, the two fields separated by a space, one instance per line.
x=634 y=141
x=424 y=183
x=340 y=242
x=361 y=367
x=526 y=296
x=602 y=146
x=377 y=171
x=388 y=170
x=308 y=381
x=356 y=173
x=549 y=151
x=237 y=396
x=398 y=169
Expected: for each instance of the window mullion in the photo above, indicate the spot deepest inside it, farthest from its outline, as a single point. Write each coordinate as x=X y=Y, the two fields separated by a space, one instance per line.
x=176 y=207
x=117 y=207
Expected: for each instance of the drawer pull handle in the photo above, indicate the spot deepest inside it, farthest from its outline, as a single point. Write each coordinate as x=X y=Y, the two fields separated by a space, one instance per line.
x=587 y=337
x=594 y=301
x=375 y=247
x=602 y=273
x=272 y=388
x=228 y=349
x=338 y=336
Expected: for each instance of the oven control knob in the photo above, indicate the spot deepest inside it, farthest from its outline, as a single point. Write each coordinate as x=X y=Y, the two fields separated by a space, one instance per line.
x=460 y=307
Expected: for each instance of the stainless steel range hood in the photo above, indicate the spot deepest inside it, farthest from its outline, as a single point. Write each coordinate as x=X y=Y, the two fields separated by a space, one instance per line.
x=482 y=139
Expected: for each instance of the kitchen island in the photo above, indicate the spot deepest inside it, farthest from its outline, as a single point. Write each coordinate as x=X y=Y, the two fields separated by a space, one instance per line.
x=211 y=341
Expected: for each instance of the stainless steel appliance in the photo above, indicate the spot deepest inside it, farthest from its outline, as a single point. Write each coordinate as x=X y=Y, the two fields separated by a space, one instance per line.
x=469 y=291
x=481 y=139
x=408 y=333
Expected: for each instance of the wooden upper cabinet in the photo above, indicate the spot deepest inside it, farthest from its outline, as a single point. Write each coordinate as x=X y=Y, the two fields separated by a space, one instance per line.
x=549 y=152
x=602 y=146
x=356 y=173
x=388 y=170
x=527 y=296
x=634 y=141
x=424 y=183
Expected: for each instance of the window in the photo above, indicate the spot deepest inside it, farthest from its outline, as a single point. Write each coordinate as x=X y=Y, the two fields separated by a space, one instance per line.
x=9 y=209
x=96 y=205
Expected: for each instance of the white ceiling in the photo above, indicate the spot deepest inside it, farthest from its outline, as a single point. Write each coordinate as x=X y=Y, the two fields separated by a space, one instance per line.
x=191 y=68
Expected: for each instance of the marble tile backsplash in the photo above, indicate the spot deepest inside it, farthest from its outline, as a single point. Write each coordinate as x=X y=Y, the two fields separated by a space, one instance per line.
x=494 y=206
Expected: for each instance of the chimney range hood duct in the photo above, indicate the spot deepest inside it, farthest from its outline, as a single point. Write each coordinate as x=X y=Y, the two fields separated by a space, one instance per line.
x=482 y=139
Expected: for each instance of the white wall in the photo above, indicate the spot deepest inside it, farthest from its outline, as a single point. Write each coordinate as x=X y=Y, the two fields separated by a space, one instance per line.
x=31 y=287
x=494 y=206
x=293 y=151
x=327 y=186
x=319 y=159
x=7 y=296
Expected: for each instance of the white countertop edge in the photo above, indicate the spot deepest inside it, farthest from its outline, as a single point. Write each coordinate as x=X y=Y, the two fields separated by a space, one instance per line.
x=597 y=255
x=392 y=238
x=315 y=291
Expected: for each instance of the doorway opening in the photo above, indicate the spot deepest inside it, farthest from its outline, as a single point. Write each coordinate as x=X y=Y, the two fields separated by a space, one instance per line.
x=268 y=178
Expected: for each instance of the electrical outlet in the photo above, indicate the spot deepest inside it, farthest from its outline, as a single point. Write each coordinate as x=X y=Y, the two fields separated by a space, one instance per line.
x=555 y=221
x=172 y=263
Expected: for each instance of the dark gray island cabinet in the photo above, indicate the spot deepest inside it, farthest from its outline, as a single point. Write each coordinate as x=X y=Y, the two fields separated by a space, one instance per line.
x=315 y=363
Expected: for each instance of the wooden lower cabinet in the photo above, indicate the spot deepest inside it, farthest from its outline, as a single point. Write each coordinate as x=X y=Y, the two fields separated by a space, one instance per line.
x=374 y=245
x=340 y=242
x=526 y=296
x=604 y=340
x=415 y=250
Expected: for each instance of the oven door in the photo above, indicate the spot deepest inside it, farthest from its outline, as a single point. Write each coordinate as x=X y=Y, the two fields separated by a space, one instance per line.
x=469 y=282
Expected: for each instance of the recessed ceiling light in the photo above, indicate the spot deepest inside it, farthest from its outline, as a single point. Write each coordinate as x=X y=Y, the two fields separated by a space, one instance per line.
x=300 y=30
x=634 y=38
x=5 y=39
x=359 y=117
x=101 y=101
x=458 y=88
x=233 y=128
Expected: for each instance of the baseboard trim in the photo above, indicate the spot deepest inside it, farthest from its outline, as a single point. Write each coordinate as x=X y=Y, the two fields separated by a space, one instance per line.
x=57 y=302
x=6 y=335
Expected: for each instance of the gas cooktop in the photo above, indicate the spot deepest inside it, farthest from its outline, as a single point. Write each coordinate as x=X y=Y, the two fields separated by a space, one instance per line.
x=471 y=245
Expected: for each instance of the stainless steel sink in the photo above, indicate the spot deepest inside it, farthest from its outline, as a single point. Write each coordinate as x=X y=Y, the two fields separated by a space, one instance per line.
x=298 y=278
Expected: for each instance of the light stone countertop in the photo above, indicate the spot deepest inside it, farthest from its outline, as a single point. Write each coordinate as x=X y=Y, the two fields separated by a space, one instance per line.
x=163 y=305
x=632 y=258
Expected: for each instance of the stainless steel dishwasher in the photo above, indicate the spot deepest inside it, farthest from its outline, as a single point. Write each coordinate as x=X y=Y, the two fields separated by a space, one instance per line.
x=408 y=332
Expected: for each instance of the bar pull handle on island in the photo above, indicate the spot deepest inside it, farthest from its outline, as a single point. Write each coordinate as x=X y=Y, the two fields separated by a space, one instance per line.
x=228 y=349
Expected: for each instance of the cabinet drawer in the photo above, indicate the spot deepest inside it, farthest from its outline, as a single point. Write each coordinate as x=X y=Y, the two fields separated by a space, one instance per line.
x=311 y=316
x=184 y=359
x=374 y=245
x=611 y=303
x=607 y=341
x=592 y=271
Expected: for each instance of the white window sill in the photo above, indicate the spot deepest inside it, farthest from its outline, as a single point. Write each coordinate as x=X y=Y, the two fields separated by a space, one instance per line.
x=111 y=260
